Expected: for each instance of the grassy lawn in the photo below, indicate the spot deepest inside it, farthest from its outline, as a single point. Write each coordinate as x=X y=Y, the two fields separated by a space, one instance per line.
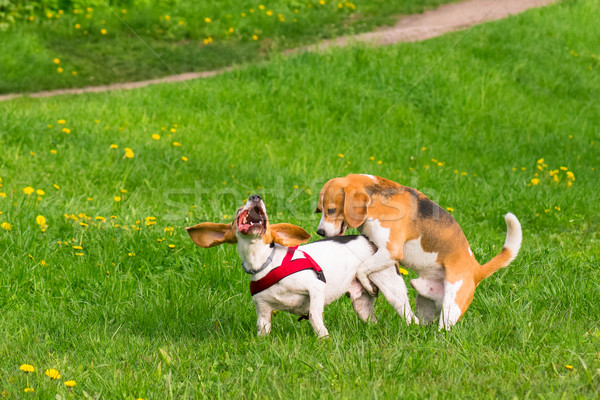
x=109 y=290
x=142 y=40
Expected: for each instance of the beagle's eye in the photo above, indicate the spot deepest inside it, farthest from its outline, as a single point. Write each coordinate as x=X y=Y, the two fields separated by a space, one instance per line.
x=331 y=211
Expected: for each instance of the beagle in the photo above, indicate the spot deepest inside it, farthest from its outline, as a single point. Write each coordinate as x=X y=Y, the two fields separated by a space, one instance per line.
x=263 y=249
x=409 y=228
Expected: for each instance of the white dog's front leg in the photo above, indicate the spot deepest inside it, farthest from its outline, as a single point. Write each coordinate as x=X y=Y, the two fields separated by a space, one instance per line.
x=393 y=288
x=315 y=310
x=264 y=313
x=379 y=261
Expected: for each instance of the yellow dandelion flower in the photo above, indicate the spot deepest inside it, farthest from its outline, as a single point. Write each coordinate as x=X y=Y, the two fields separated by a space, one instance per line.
x=53 y=152
x=207 y=20
x=103 y=31
x=570 y=176
x=176 y=144
x=450 y=209
x=70 y=384
x=230 y=30
x=27 y=368
x=322 y=2
x=402 y=271
x=123 y=11
x=52 y=373
x=379 y=162
x=569 y=367
x=28 y=390
x=40 y=220
x=77 y=26
x=540 y=161
x=171 y=246
x=40 y=192
x=28 y=190
x=42 y=263
x=79 y=255
x=77 y=248
x=114 y=146
x=6 y=226
x=74 y=73
x=156 y=136
x=270 y=12
x=128 y=153
x=173 y=130
x=569 y=184
x=340 y=155
x=2 y=194
x=117 y=198
x=55 y=186
x=56 y=61
x=59 y=70
x=254 y=37
x=535 y=181
x=261 y=7
x=131 y=254
x=184 y=158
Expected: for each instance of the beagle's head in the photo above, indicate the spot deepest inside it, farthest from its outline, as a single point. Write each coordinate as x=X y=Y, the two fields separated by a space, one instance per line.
x=342 y=203
x=250 y=223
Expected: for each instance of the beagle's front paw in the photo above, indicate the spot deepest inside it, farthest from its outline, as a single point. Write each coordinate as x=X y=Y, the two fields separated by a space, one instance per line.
x=366 y=284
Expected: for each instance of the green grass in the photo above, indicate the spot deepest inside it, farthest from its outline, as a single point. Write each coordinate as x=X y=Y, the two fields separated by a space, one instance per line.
x=179 y=323
x=155 y=39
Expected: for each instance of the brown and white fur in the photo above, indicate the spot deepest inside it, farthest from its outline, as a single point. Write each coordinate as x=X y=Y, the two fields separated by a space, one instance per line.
x=301 y=293
x=409 y=228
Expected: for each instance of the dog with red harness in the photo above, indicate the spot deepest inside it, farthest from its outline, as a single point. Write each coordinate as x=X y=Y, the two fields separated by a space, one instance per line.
x=298 y=279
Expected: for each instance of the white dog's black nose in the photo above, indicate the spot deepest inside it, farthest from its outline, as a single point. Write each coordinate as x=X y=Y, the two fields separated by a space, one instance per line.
x=321 y=232
x=254 y=197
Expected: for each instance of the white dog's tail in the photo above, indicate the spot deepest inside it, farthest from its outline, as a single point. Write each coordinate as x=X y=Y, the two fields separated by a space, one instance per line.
x=514 y=237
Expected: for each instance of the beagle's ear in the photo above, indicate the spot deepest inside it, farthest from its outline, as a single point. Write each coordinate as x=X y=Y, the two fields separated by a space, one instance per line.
x=288 y=235
x=209 y=234
x=356 y=206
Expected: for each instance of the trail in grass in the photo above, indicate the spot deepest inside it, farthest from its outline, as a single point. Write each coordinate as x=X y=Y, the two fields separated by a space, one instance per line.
x=444 y=19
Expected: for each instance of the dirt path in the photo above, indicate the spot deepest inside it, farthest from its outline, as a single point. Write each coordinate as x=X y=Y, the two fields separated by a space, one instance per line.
x=446 y=18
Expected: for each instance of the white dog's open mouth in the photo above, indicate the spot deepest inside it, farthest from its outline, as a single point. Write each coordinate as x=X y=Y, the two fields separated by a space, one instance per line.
x=252 y=220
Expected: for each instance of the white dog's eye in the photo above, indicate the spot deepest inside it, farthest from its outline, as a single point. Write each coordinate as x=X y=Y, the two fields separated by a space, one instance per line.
x=331 y=211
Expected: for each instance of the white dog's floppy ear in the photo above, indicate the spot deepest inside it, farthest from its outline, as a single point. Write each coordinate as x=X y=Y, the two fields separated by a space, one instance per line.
x=356 y=206
x=288 y=235
x=209 y=234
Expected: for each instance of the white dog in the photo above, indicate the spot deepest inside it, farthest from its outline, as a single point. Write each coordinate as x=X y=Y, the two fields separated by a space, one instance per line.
x=300 y=280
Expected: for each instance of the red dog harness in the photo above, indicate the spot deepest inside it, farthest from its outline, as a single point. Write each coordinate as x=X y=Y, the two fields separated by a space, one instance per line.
x=287 y=267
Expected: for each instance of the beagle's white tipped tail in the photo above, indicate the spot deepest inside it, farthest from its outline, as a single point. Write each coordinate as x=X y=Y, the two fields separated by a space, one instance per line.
x=512 y=244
